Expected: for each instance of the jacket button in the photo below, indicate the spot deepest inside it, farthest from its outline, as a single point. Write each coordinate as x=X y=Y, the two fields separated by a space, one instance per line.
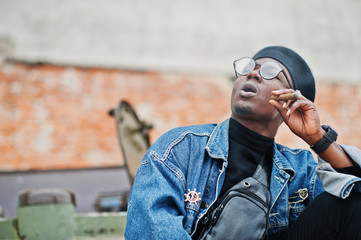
x=204 y=205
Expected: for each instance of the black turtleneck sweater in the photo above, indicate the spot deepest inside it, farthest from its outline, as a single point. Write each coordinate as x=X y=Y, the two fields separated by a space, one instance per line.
x=246 y=150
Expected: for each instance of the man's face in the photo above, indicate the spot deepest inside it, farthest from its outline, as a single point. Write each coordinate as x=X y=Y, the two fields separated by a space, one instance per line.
x=251 y=94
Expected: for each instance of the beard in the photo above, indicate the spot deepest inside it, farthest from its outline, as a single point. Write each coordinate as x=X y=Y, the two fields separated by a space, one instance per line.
x=242 y=110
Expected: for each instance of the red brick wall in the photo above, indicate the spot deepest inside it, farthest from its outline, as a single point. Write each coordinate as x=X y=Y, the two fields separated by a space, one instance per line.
x=57 y=117
x=54 y=117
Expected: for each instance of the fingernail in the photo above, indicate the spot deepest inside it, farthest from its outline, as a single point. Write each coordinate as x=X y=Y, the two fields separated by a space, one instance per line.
x=288 y=112
x=284 y=105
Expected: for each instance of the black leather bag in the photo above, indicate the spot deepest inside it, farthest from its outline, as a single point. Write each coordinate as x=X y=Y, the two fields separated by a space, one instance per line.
x=243 y=211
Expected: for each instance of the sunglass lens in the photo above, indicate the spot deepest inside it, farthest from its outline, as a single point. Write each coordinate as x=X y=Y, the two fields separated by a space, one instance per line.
x=270 y=70
x=244 y=66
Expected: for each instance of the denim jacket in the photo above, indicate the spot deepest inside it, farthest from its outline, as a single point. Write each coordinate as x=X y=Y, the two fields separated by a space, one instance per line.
x=194 y=159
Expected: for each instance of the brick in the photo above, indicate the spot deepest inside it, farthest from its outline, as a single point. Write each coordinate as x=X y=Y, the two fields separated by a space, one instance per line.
x=55 y=117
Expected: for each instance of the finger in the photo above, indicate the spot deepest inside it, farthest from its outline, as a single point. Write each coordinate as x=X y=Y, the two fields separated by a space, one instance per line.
x=289 y=98
x=299 y=95
x=286 y=96
x=287 y=104
x=282 y=91
x=279 y=107
x=302 y=105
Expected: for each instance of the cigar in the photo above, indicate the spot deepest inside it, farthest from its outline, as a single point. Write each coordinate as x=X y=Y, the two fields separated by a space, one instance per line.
x=286 y=97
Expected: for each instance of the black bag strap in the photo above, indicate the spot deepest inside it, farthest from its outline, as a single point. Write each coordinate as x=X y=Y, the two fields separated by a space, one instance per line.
x=262 y=173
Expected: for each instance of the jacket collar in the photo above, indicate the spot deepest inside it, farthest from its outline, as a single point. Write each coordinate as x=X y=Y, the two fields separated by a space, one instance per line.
x=281 y=162
x=218 y=143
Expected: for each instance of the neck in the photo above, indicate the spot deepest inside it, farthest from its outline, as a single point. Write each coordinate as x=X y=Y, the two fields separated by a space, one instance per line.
x=268 y=129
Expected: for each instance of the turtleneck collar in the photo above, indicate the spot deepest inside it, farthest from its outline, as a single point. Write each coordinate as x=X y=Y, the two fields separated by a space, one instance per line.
x=249 y=138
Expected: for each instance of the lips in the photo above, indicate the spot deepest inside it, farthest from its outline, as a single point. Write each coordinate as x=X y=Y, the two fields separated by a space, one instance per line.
x=248 y=90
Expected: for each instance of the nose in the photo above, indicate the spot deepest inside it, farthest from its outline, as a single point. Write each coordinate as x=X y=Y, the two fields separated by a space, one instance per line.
x=254 y=75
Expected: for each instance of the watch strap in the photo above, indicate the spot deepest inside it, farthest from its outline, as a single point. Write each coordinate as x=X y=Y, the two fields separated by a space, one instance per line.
x=327 y=139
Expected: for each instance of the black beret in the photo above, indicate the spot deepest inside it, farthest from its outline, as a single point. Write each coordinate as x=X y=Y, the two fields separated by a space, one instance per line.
x=300 y=72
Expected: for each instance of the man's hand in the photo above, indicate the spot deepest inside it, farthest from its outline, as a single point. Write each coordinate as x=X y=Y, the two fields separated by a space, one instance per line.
x=300 y=115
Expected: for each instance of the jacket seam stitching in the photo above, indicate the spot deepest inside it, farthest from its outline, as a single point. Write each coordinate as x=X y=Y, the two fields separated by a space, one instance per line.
x=178 y=140
x=313 y=185
x=180 y=177
x=293 y=151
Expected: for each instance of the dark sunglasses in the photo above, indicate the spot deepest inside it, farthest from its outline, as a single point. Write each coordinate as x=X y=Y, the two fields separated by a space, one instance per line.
x=268 y=70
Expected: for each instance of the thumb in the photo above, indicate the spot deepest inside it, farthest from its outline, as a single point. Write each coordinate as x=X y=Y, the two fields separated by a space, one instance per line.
x=279 y=108
x=277 y=105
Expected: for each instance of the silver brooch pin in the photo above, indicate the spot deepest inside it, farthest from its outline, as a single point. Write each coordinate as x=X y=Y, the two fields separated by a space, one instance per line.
x=192 y=196
x=302 y=194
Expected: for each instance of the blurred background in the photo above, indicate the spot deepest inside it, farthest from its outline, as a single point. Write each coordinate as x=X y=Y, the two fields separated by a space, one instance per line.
x=64 y=64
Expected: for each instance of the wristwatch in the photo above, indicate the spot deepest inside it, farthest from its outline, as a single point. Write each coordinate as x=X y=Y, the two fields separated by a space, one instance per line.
x=328 y=138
